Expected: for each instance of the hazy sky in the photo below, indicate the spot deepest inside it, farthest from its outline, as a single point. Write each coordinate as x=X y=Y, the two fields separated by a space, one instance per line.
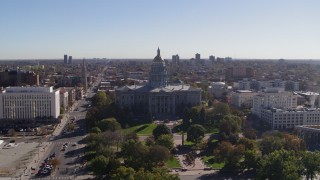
x=135 y=28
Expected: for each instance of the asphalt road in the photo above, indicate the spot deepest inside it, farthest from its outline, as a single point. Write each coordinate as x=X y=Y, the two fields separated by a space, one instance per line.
x=71 y=162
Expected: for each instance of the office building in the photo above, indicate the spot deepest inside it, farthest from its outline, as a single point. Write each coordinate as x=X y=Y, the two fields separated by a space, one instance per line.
x=65 y=59
x=29 y=103
x=242 y=98
x=70 y=60
x=197 y=56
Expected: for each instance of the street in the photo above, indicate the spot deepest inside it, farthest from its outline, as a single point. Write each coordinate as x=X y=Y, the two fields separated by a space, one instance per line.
x=67 y=145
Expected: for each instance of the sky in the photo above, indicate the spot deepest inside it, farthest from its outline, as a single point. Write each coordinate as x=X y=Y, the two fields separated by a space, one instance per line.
x=270 y=29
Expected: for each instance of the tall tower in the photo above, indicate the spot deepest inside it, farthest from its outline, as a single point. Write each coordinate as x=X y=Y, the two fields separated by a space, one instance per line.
x=158 y=74
x=70 y=60
x=84 y=75
x=197 y=56
x=65 y=59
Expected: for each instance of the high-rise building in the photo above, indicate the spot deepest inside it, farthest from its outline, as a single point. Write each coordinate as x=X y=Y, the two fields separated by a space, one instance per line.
x=198 y=56
x=175 y=59
x=65 y=59
x=70 y=60
x=212 y=58
x=29 y=103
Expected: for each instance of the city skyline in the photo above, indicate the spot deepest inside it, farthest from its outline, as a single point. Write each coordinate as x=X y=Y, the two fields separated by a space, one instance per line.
x=125 y=29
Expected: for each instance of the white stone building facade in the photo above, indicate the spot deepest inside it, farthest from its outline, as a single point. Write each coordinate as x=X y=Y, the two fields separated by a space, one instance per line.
x=29 y=103
x=288 y=119
x=242 y=98
x=280 y=100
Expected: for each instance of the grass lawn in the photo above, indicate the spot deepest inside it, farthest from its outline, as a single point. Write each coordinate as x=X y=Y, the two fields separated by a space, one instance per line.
x=142 y=130
x=188 y=143
x=173 y=163
x=210 y=161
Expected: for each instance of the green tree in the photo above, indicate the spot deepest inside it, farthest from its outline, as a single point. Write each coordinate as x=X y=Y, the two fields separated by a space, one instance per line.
x=101 y=99
x=135 y=154
x=202 y=116
x=221 y=109
x=248 y=143
x=149 y=141
x=160 y=130
x=99 y=165
x=280 y=165
x=271 y=143
x=229 y=154
x=250 y=133
x=158 y=154
x=194 y=115
x=142 y=174
x=95 y=130
x=62 y=110
x=251 y=158
x=166 y=140
x=210 y=103
x=196 y=133
x=71 y=127
x=124 y=173
x=186 y=117
x=311 y=163
x=230 y=124
x=109 y=124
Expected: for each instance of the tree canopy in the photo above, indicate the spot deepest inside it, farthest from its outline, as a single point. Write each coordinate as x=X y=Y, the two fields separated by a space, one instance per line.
x=109 y=124
x=195 y=133
x=160 y=130
x=280 y=165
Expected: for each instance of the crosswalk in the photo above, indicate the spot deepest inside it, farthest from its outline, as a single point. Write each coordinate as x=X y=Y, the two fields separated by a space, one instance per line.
x=64 y=142
x=54 y=177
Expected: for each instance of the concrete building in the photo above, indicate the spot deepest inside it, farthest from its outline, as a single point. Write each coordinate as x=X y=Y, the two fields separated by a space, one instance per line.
x=197 y=57
x=292 y=86
x=65 y=59
x=70 y=60
x=64 y=99
x=71 y=94
x=79 y=93
x=252 y=84
x=288 y=119
x=158 y=97
x=217 y=89
x=237 y=73
x=242 y=98
x=175 y=59
x=212 y=58
x=29 y=103
x=279 y=100
x=18 y=78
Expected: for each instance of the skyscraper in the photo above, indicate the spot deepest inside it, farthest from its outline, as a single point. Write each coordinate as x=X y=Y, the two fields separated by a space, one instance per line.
x=197 y=56
x=175 y=59
x=212 y=58
x=70 y=60
x=65 y=59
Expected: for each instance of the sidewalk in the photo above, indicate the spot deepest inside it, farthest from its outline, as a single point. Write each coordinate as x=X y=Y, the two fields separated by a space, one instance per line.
x=43 y=151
